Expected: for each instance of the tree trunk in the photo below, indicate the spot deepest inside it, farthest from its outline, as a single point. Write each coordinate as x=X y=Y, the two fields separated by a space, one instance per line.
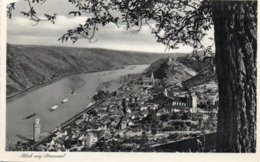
x=235 y=39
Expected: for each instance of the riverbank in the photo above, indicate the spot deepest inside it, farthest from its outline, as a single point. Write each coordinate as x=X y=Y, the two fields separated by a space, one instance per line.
x=28 y=66
x=24 y=92
x=40 y=99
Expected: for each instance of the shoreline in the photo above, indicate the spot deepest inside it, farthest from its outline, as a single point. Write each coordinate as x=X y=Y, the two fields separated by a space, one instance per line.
x=116 y=84
x=24 y=92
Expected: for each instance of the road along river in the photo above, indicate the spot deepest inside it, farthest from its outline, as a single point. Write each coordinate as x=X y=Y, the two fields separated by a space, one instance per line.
x=40 y=100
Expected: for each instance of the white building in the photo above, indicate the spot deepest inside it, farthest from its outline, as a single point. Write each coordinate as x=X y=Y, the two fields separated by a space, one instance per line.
x=90 y=140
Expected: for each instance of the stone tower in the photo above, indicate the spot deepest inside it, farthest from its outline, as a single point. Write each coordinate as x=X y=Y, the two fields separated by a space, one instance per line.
x=165 y=92
x=36 y=129
x=192 y=101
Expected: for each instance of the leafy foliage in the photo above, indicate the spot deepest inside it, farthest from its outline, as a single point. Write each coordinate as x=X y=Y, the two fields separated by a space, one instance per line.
x=10 y=9
x=31 y=13
x=172 y=22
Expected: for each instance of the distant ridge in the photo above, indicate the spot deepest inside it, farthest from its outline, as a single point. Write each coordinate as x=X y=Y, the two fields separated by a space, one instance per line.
x=32 y=65
x=96 y=48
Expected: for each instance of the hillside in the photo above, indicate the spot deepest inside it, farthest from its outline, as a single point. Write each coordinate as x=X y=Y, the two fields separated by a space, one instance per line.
x=201 y=66
x=170 y=71
x=188 y=72
x=204 y=67
x=28 y=66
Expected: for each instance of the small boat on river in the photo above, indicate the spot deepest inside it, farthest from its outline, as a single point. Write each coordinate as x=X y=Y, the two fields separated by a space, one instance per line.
x=29 y=116
x=64 y=101
x=53 y=108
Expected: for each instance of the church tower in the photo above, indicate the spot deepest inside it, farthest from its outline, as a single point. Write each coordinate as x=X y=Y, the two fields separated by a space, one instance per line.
x=152 y=78
x=165 y=92
x=192 y=102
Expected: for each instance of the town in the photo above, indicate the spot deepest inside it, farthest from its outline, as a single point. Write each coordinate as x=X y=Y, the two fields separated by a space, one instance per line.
x=141 y=115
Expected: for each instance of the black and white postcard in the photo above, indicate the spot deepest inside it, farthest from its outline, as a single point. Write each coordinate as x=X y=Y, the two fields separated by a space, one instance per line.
x=131 y=80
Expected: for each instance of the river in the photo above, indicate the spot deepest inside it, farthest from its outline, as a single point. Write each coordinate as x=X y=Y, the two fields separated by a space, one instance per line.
x=40 y=100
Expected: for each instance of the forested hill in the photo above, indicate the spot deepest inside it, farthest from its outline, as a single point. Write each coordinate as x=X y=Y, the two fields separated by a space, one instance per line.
x=188 y=71
x=28 y=66
x=170 y=71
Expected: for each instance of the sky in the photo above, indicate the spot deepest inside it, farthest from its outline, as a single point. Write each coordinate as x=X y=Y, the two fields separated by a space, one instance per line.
x=20 y=30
